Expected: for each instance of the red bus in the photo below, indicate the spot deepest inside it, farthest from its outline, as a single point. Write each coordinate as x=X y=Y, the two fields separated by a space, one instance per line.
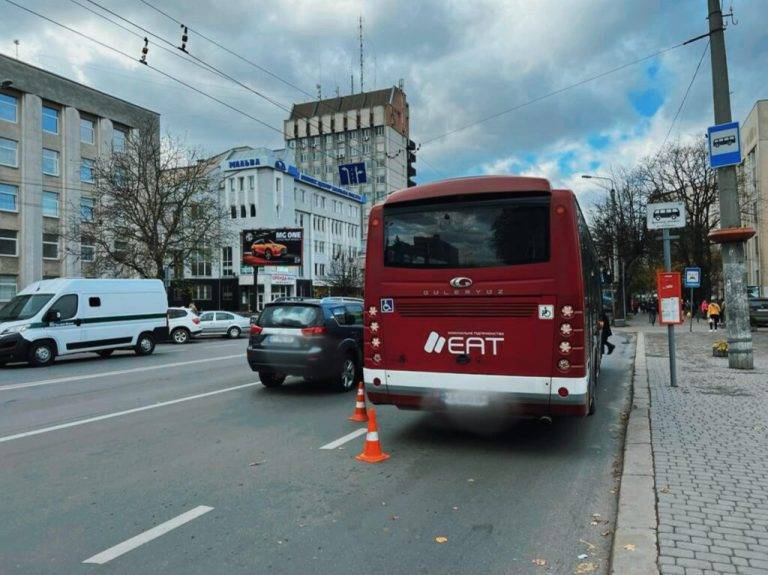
x=482 y=292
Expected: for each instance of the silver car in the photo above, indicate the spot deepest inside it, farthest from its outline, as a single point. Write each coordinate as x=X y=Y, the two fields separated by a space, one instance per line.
x=224 y=323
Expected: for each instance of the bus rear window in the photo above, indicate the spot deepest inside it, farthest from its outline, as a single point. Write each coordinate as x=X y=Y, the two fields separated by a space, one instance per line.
x=467 y=233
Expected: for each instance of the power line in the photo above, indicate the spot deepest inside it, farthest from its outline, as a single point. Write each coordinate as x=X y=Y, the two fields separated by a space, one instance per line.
x=550 y=94
x=276 y=76
x=685 y=97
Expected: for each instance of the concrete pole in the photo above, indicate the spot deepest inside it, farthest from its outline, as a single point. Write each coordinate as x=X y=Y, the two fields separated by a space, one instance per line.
x=734 y=269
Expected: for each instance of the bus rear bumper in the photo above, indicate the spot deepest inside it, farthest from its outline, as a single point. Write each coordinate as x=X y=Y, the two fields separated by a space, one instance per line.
x=521 y=396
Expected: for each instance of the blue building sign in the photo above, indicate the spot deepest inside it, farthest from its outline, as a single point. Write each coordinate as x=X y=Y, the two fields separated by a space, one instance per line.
x=247 y=163
x=351 y=174
x=724 y=145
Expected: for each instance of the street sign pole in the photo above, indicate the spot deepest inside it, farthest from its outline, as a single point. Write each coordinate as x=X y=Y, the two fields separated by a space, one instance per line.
x=691 y=311
x=670 y=328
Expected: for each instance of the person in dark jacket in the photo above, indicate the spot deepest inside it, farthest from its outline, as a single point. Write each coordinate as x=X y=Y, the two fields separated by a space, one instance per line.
x=605 y=333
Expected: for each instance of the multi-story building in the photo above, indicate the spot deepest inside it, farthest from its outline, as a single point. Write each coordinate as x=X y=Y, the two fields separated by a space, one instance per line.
x=371 y=128
x=262 y=189
x=754 y=179
x=52 y=130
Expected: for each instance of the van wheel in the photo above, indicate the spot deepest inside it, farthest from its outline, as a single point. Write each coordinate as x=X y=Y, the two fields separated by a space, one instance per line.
x=105 y=353
x=41 y=354
x=348 y=374
x=145 y=344
x=233 y=332
x=180 y=335
x=269 y=379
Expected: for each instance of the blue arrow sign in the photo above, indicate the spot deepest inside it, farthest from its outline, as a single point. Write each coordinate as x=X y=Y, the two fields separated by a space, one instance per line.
x=351 y=174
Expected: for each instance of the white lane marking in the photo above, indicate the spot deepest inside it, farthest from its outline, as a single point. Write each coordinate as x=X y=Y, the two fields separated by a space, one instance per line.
x=343 y=440
x=119 y=372
x=149 y=535
x=121 y=413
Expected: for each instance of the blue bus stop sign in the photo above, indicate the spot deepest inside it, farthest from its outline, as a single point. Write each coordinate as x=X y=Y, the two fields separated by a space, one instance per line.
x=724 y=145
x=692 y=278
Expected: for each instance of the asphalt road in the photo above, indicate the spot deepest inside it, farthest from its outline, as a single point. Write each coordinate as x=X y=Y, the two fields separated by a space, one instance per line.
x=95 y=453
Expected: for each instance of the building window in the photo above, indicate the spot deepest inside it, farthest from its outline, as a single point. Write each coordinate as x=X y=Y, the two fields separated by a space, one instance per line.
x=87 y=249
x=51 y=204
x=322 y=202
x=118 y=140
x=291 y=144
x=9 y=152
x=86 y=170
x=379 y=130
x=201 y=262
x=9 y=108
x=381 y=179
x=7 y=287
x=202 y=292
x=86 y=208
x=50 y=162
x=8 y=243
x=241 y=183
x=8 y=197
x=50 y=246
x=253 y=210
x=233 y=212
x=278 y=184
x=251 y=182
x=231 y=184
x=87 y=131
x=226 y=261
x=50 y=120
x=243 y=213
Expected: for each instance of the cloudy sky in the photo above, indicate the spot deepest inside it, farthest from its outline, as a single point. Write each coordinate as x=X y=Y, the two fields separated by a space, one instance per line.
x=460 y=62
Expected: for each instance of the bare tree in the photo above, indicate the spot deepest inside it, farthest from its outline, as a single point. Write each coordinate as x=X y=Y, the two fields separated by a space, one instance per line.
x=345 y=277
x=681 y=173
x=154 y=205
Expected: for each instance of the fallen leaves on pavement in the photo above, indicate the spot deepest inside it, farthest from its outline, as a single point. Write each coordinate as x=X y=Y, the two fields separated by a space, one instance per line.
x=540 y=562
x=585 y=567
x=630 y=547
x=441 y=539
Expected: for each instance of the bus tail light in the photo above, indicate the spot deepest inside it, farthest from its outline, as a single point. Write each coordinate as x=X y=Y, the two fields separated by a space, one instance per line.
x=317 y=330
x=562 y=392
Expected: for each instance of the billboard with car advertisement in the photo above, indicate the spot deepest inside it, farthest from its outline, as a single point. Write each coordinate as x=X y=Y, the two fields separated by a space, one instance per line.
x=273 y=247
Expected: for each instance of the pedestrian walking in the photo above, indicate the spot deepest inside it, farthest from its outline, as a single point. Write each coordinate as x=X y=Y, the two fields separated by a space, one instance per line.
x=193 y=307
x=653 y=310
x=722 y=313
x=713 y=314
x=703 y=308
x=605 y=333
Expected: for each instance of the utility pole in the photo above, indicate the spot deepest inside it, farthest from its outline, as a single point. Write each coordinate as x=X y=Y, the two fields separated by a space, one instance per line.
x=731 y=235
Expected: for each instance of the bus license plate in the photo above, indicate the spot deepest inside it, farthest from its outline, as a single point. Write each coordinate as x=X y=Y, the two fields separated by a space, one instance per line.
x=461 y=398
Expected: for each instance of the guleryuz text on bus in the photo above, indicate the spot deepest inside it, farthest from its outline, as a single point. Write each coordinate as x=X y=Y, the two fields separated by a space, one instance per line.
x=484 y=293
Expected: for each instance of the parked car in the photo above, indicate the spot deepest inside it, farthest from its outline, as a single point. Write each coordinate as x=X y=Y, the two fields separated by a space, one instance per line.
x=317 y=339
x=758 y=311
x=224 y=323
x=62 y=316
x=183 y=324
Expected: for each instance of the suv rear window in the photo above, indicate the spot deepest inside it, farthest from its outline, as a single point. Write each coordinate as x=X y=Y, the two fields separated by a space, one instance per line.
x=290 y=316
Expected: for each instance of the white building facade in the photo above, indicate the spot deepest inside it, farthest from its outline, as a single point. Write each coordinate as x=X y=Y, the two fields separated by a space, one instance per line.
x=262 y=189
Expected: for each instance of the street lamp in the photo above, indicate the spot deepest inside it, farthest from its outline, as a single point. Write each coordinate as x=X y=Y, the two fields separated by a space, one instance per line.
x=617 y=271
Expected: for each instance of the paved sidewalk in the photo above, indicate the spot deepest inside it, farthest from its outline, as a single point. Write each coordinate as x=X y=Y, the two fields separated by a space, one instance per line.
x=710 y=450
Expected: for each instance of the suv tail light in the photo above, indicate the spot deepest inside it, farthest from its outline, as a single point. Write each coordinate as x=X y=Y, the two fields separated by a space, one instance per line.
x=255 y=329
x=196 y=320
x=313 y=330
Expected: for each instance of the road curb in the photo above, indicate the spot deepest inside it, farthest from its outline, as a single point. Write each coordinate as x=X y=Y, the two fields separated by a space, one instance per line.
x=635 y=548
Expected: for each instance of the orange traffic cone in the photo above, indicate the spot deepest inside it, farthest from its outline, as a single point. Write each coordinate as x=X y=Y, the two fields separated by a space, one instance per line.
x=359 y=414
x=372 y=452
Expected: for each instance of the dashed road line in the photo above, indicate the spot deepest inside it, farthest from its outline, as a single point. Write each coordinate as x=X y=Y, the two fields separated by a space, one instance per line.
x=118 y=372
x=121 y=413
x=343 y=440
x=149 y=535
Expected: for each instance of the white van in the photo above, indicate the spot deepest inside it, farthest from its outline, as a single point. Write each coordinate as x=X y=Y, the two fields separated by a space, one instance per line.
x=65 y=316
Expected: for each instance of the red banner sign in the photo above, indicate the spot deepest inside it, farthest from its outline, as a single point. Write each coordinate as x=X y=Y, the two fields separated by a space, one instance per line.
x=668 y=286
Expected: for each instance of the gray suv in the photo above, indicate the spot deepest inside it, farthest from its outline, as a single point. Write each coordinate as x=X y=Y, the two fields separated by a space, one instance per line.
x=317 y=339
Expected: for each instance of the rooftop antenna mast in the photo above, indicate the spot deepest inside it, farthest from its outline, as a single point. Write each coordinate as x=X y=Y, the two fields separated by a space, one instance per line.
x=362 y=83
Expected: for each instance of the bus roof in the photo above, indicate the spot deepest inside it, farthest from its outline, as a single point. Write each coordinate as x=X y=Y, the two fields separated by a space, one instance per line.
x=470 y=185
